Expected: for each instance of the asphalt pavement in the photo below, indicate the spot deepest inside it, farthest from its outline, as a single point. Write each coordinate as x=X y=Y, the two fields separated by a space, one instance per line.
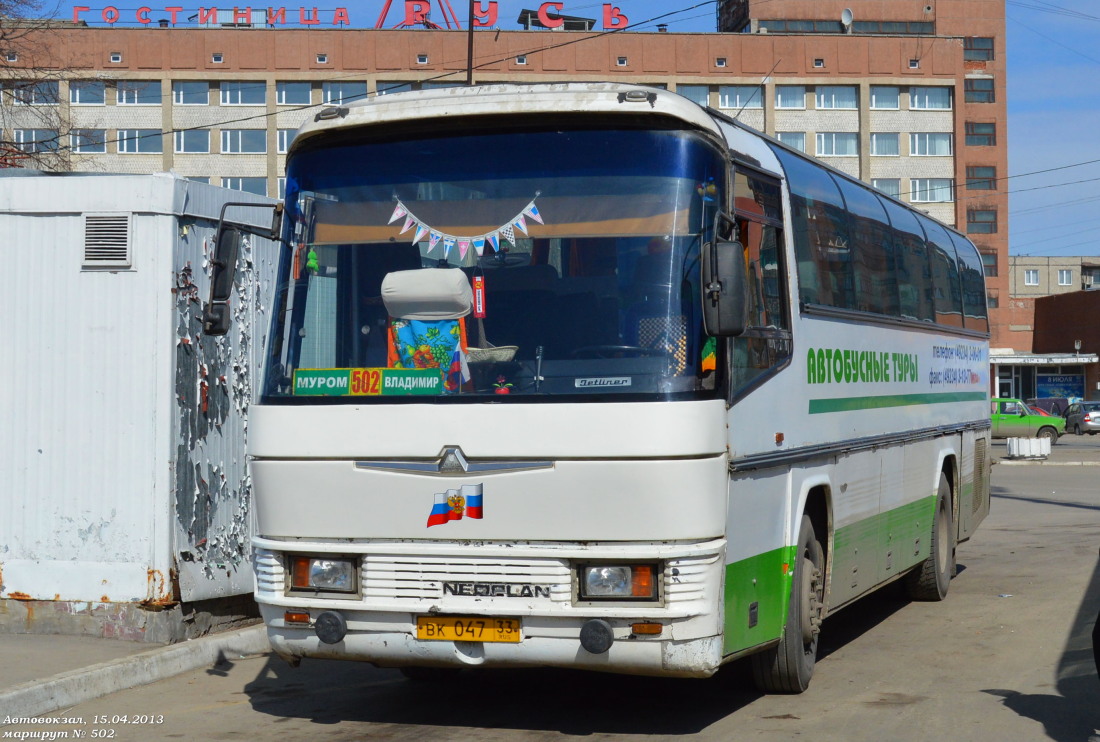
x=42 y=674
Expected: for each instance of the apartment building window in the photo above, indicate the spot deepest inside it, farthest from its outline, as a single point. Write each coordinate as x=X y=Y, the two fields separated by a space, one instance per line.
x=981 y=178
x=36 y=140
x=894 y=28
x=1031 y=277
x=87 y=92
x=885 y=97
x=138 y=93
x=244 y=141
x=41 y=93
x=981 y=221
x=282 y=188
x=889 y=186
x=989 y=264
x=979 y=90
x=521 y=59
x=283 y=138
x=244 y=93
x=794 y=139
x=193 y=141
x=140 y=141
x=292 y=93
x=88 y=141
x=837 y=144
x=257 y=186
x=344 y=92
x=837 y=96
x=923 y=98
x=992 y=301
x=738 y=97
x=981 y=134
x=696 y=93
x=930 y=144
x=885 y=144
x=190 y=93
x=978 y=48
x=931 y=190
x=1065 y=277
x=790 y=96
x=198 y=178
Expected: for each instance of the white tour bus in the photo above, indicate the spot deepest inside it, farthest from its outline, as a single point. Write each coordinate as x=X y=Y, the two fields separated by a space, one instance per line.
x=588 y=376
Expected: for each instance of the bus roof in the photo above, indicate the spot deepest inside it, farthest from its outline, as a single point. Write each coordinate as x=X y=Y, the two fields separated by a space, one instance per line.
x=505 y=99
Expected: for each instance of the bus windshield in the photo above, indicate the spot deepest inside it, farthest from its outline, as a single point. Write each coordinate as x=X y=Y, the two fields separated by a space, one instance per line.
x=549 y=263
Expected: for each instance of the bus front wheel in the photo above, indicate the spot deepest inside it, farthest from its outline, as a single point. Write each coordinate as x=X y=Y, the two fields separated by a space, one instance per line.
x=931 y=579
x=788 y=666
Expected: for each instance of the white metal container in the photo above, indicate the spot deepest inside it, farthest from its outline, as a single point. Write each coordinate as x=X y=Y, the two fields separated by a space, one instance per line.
x=125 y=489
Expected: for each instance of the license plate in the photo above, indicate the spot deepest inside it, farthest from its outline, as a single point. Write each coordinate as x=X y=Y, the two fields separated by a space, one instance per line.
x=467 y=629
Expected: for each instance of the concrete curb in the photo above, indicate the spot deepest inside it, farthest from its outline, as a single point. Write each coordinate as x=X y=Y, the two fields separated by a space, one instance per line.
x=41 y=697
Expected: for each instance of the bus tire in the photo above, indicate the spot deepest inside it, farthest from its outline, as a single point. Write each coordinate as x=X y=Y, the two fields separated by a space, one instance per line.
x=788 y=666
x=931 y=579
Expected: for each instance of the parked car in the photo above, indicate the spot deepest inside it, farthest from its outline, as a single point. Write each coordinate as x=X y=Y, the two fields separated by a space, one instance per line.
x=1013 y=419
x=1083 y=417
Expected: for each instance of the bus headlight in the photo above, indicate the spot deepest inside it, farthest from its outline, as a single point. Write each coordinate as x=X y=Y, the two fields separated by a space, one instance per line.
x=322 y=573
x=618 y=582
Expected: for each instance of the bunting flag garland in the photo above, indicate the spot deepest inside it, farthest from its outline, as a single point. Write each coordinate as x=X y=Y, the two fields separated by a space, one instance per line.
x=506 y=231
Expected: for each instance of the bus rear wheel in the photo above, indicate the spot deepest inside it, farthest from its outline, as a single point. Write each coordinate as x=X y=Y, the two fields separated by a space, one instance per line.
x=788 y=666
x=931 y=579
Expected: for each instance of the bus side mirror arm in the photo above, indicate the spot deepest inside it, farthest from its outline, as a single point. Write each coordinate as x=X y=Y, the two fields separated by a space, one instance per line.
x=723 y=282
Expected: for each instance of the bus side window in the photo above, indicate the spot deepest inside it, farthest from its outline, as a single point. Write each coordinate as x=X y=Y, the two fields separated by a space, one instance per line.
x=765 y=345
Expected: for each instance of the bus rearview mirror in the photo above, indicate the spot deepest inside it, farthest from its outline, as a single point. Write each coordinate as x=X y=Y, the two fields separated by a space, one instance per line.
x=215 y=318
x=723 y=281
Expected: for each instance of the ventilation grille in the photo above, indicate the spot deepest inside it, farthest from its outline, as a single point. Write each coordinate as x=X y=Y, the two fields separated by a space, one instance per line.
x=107 y=241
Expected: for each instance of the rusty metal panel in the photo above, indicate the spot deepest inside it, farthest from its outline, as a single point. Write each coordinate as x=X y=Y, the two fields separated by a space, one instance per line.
x=123 y=442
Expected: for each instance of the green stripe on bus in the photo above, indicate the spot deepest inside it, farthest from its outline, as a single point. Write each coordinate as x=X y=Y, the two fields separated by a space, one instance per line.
x=847 y=404
x=758 y=585
x=869 y=552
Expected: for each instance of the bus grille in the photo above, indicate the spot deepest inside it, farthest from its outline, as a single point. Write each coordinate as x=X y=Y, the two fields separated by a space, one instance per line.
x=400 y=577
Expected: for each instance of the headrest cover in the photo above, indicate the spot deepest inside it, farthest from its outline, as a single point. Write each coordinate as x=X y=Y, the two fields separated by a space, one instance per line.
x=427 y=294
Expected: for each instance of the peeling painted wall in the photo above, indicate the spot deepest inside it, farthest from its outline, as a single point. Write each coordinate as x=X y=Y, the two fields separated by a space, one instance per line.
x=214 y=382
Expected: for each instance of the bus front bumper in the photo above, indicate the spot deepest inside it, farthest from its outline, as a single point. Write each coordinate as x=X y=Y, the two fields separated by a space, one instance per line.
x=545 y=642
